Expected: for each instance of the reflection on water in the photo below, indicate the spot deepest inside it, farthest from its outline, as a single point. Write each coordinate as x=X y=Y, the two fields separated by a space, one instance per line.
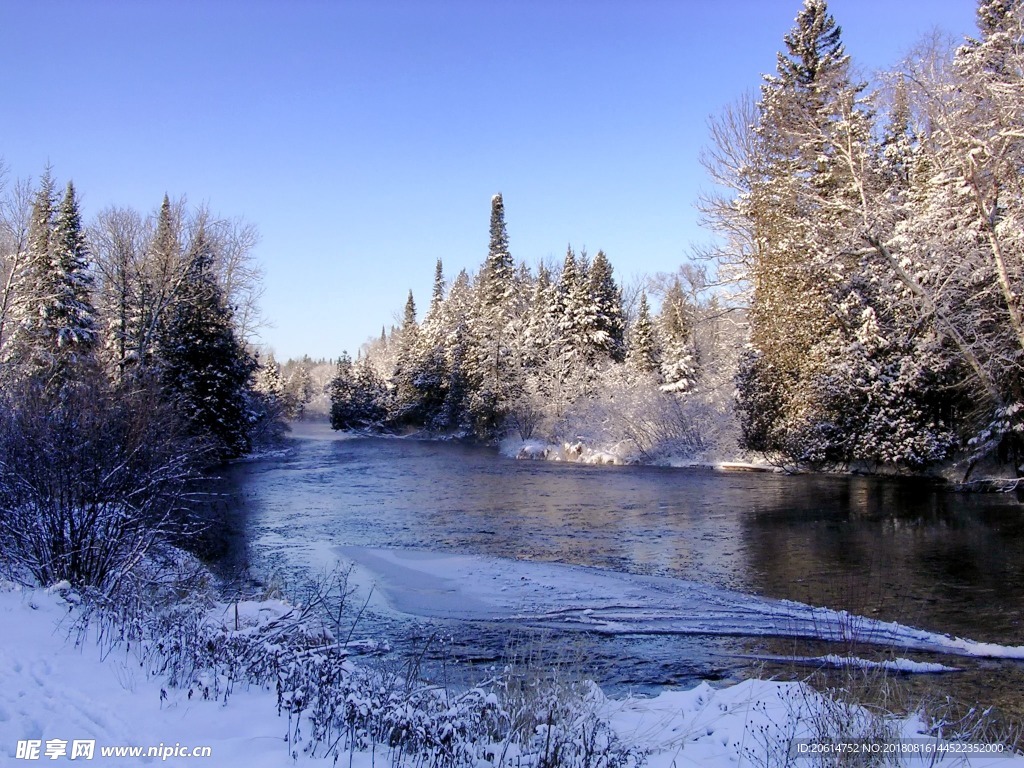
x=891 y=549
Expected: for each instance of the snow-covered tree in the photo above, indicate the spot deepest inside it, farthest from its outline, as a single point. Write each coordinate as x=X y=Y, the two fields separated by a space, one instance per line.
x=490 y=366
x=57 y=336
x=609 y=327
x=204 y=368
x=406 y=378
x=643 y=355
x=358 y=396
x=16 y=203
x=678 y=352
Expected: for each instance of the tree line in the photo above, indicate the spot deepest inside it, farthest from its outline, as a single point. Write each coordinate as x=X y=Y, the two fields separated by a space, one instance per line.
x=513 y=348
x=862 y=300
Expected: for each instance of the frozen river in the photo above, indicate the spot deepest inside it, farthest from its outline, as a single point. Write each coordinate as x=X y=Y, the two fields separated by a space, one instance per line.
x=880 y=550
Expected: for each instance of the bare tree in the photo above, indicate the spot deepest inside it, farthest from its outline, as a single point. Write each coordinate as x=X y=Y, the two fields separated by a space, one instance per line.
x=15 y=214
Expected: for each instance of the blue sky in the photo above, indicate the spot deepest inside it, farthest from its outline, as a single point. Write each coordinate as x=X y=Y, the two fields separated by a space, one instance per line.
x=365 y=139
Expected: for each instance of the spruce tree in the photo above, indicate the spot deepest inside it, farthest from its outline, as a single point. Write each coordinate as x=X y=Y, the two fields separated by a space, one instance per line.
x=643 y=345
x=678 y=357
x=491 y=368
x=798 y=207
x=73 y=317
x=204 y=369
x=159 y=283
x=406 y=374
x=57 y=335
x=609 y=327
x=344 y=411
x=437 y=293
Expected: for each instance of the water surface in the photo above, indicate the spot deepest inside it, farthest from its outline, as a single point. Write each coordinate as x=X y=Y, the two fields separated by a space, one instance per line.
x=897 y=550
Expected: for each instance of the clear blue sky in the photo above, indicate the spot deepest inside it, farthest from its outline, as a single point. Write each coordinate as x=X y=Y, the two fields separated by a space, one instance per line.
x=366 y=138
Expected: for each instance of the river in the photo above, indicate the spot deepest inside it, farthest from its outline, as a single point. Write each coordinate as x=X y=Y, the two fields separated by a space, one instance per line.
x=893 y=549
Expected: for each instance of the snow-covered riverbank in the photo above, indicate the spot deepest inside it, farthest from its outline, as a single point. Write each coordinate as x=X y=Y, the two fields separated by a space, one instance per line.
x=57 y=696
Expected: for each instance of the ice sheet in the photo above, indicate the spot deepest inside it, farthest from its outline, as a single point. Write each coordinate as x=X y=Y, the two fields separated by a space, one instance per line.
x=551 y=595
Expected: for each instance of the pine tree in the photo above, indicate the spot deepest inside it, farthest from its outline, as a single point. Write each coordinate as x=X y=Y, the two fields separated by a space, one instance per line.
x=344 y=396
x=541 y=324
x=159 y=283
x=437 y=294
x=491 y=367
x=57 y=336
x=609 y=327
x=204 y=369
x=577 y=312
x=267 y=380
x=499 y=267
x=457 y=343
x=678 y=357
x=408 y=398
x=643 y=345
x=73 y=315
x=800 y=206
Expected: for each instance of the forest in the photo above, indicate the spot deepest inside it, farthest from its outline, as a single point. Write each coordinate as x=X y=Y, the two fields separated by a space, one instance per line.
x=125 y=373
x=860 y=306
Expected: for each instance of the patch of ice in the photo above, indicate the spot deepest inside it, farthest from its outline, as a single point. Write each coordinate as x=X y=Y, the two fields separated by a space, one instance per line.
x=551 y=595
x=835 y=661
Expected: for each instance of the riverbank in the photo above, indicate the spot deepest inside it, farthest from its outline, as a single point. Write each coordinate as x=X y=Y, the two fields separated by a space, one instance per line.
x=61 y=691
x=985 y=478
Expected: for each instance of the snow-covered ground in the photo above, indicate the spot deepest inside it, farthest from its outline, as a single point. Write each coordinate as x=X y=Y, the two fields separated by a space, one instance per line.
x=55 y=692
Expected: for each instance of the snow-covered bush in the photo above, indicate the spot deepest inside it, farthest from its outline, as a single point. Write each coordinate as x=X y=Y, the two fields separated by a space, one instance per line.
x=633 y=411
x=91 y=479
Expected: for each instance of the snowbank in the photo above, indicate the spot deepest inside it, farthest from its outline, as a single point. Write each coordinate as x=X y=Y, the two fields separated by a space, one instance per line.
x=54 y=689
x=575 y=452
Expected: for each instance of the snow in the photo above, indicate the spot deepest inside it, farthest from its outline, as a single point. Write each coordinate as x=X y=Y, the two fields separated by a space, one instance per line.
x=899 y=665
x=53 y=688
x=575 y=452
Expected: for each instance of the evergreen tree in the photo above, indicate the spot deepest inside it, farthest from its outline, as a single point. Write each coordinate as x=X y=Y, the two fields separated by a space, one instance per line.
x=609 y=326
x=57 y=335
x=491 y=367
x=499 y=267
x=408 y=398
x=345 y=413
x=678 y=357
x=800 y=208
x=643 y=346
x=267 y=380
x=437 y=294
x=73 y=315
x=457 y=342
x=542 y=322
x=165 y=269
x=204 y=369
x=299 y=388
x=577 y=313
x=358 y=396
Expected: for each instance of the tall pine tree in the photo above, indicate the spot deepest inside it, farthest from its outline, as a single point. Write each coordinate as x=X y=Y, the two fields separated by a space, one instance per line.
x=57 y=335
x=204 y=368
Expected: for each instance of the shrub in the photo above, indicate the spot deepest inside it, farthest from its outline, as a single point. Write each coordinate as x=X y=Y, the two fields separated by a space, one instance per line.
x=90 y=480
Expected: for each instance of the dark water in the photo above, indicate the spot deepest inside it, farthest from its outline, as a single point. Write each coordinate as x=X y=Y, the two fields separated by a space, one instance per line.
x=899 y=550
